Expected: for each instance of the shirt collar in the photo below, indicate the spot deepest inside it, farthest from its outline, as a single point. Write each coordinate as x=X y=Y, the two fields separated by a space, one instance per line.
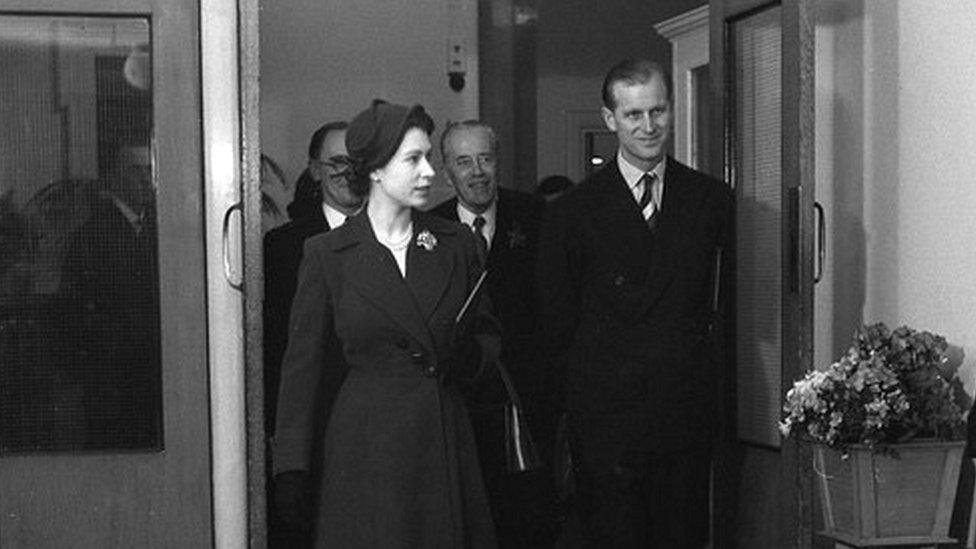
x=466 y=216
x=632 y=174
x=130 y=215
x=334 y=217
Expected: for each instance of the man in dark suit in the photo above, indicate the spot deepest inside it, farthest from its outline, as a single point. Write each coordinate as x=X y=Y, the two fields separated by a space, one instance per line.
x=110 y=285
x=506 y=225
x=627 y=267
x=322 y=201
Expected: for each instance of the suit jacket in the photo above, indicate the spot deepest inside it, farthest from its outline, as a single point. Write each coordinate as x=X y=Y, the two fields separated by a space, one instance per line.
x=399 y=463
x=627 y=311
x=282 y=256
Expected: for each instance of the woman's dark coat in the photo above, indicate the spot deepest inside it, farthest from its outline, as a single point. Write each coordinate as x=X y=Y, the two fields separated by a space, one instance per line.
x=400 y=466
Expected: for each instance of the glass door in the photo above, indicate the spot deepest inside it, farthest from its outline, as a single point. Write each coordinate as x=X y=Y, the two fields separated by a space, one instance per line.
x=761 y=76
x=104 y=418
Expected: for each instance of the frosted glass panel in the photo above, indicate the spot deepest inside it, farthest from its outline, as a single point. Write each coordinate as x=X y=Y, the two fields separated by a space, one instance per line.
x=759 y=233
x=79 y=281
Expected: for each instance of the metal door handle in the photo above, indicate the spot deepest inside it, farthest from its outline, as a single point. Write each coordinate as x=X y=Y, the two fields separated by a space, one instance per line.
x=228 y=268
x=821 y=241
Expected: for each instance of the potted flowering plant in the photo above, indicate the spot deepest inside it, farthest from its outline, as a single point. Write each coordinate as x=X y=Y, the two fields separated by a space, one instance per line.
x=888 y=437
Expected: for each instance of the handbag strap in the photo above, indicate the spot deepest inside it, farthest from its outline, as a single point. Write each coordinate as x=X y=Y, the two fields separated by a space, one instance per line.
x=507 y=381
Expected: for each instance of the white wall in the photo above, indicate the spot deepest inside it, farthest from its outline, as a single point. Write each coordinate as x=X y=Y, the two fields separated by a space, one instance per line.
x=896 y=135
x=324 y=60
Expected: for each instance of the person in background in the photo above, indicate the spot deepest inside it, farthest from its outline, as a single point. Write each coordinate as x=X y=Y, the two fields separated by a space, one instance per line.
x=110 y=289
x=553 y=186
x=323 y=200
x=627 y=269
x=506 y=223
x=399 y=465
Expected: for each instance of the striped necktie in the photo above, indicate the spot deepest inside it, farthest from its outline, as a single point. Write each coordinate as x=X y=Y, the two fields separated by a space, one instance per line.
x=646 y=203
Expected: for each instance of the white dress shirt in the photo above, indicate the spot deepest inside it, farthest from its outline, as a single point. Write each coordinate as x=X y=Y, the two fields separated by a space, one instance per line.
x=632 y=176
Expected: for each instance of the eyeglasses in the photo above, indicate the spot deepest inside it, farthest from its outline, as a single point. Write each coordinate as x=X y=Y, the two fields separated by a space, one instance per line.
x=338 y=166
x=466 y=163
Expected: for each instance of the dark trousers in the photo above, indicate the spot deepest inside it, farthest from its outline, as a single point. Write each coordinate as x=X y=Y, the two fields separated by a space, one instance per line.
x=665 y=504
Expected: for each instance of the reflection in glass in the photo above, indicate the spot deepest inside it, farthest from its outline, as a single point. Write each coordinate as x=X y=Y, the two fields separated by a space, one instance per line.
x=79 y=292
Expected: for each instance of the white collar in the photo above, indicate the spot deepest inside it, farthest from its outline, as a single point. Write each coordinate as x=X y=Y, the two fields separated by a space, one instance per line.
x=632 y=174
x=334 y=217
x=130 y=215
x=467 y=217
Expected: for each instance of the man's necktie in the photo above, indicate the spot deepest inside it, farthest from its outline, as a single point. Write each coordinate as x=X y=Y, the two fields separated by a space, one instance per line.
x=480 y=242
x=646 y=204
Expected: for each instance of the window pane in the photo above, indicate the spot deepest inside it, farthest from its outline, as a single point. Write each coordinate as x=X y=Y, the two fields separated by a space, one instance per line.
x=79 y=305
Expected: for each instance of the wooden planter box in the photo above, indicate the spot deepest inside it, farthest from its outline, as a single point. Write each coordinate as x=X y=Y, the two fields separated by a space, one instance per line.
x=871 y=499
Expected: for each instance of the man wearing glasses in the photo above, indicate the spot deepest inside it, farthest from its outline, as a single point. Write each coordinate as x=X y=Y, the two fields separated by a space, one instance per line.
x=322 y=202
x=506 y=227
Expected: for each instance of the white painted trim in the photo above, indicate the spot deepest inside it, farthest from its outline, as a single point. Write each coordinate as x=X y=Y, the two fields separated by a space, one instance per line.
x=688 y=34
x=684 y=23
x=222 y=175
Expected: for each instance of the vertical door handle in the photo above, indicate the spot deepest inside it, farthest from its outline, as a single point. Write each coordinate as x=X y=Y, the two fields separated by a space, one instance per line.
x=821 y=241
x=228 y=268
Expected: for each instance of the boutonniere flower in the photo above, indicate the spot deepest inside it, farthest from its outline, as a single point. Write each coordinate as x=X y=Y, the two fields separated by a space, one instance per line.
x=426 y=240
x=516 y=238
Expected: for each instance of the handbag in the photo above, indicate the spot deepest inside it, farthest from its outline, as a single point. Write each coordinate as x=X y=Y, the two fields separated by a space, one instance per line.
x=520 y=451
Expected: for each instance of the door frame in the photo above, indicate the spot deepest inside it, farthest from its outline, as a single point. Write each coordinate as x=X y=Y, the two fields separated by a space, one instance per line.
x=253 y=268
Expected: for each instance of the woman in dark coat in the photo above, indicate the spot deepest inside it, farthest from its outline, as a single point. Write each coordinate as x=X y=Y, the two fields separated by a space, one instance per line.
x=400 y=466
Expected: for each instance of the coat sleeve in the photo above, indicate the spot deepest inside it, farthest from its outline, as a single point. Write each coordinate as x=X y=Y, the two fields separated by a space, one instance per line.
x=304 y=364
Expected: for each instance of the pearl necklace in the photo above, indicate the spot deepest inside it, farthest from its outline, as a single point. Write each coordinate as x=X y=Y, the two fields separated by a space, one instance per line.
x=401 y=243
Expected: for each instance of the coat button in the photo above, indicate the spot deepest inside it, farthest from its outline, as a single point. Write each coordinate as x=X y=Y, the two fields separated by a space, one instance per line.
x=417 y=357
x=402 y=342
x=618 y=281
x=430 y=371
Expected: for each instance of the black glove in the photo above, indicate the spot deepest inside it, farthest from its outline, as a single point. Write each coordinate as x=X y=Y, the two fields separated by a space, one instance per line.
x=293 y=501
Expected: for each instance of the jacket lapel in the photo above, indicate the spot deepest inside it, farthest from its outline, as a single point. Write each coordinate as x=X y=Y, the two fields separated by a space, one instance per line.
x=678 y=197
x=375 y=276
x=499 y=242
x=619 y=217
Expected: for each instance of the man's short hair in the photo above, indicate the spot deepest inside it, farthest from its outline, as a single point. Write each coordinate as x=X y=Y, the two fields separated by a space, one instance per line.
x=464 y=125
x=634 y=70
x=315 y=144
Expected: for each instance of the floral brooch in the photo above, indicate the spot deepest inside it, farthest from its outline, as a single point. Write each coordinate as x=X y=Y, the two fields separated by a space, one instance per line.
x=426 y=240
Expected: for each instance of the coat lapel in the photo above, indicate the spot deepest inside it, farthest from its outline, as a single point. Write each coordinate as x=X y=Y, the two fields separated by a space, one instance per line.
x=375 y=276
x=428 y=271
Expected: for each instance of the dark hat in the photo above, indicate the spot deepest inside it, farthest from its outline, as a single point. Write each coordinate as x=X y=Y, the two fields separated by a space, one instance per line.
x=374 y=135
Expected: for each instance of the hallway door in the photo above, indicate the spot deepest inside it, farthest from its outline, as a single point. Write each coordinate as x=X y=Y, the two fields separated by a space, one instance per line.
x=761 y=57
x=104 y=392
